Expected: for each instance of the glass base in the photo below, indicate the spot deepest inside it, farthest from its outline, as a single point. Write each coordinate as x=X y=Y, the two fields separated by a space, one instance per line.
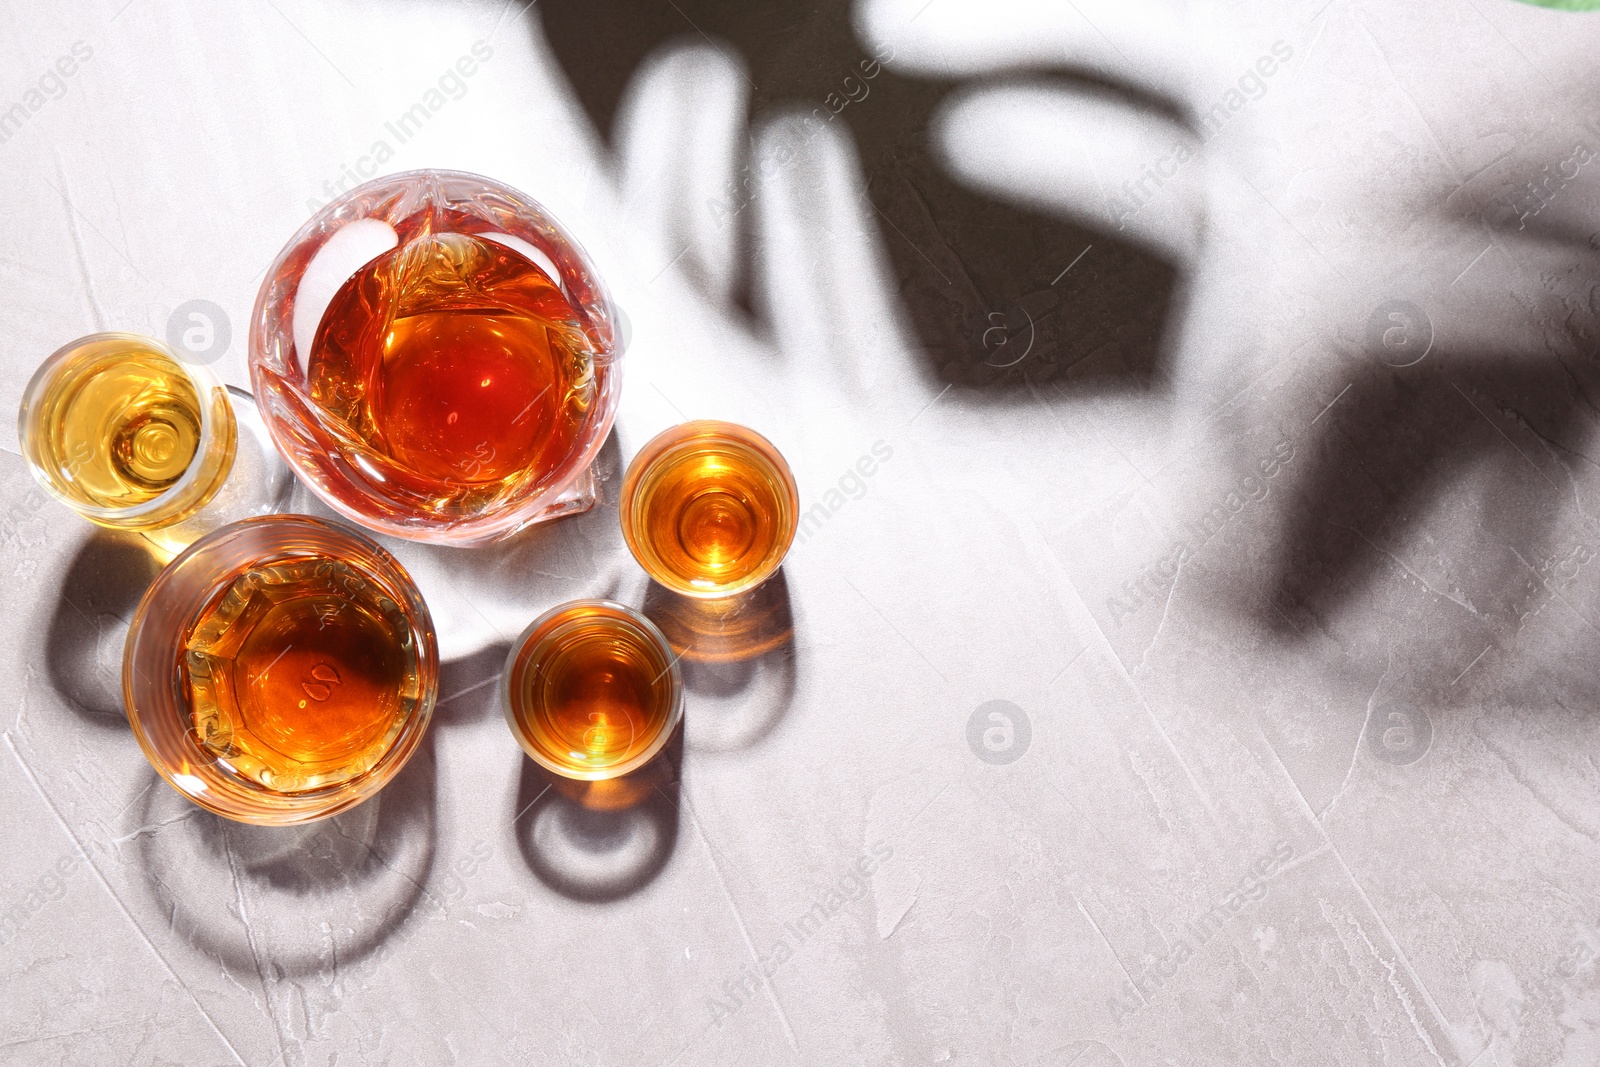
x=260 y=483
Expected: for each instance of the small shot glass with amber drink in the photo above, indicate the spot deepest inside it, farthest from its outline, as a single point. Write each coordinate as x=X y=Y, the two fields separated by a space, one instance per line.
x=592 y=691
x=709 y=509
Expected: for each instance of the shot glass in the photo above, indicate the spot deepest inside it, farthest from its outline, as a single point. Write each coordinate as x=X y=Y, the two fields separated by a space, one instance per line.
x=437 y=359
x=280 y=670
x=591 y=690
x=132 y=437
x=709 y=509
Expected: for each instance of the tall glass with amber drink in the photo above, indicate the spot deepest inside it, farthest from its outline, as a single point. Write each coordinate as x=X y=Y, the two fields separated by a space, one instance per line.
x=280 y=670
x=437 y=359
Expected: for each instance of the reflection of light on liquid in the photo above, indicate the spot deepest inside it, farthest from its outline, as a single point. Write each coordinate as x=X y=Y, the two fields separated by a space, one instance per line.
x=189 y=783
x=597 y=737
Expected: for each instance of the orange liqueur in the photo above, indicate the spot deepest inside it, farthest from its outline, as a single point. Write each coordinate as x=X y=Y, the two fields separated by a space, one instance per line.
x=455 y=370
x=300 y=675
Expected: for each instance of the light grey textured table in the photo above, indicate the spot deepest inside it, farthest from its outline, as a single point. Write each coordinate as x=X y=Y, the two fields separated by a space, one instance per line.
x=1297 y=760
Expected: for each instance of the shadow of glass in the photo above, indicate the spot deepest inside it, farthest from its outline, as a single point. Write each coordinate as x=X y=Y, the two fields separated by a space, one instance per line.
x=984 y=283
x=89 y=624
x=600 y=841
x=737 y=658
x=319 y=898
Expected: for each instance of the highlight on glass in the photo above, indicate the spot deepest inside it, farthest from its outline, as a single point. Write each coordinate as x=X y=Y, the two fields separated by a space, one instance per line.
x=709 y=509
x=280 y=670
x=130 y=436
x=591 y=690
x=438 y=359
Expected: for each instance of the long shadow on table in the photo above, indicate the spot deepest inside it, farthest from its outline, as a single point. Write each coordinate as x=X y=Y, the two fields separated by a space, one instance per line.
x=737 y=657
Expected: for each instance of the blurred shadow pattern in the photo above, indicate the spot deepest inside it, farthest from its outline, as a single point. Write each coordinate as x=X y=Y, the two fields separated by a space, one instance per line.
x=1482 y=430
x=1404 y=443
x=986 y=285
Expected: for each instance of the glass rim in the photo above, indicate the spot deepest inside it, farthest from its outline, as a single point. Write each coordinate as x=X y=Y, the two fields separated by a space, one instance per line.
x=673 y=674
x=205 y=385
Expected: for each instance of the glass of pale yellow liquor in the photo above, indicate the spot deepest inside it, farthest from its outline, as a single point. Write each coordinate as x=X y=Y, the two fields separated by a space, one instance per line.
x=281 y=669
x=130 y=436
x=709 y=509
x=591 y=690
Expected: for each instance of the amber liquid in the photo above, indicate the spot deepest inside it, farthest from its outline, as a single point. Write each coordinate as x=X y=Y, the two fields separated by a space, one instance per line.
x=301 y=674
x=593 y=693
x=455 y=371
x=121 y=427
x=710 y=513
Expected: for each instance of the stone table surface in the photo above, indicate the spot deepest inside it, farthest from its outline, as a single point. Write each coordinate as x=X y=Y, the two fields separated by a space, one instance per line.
x=1189 y=656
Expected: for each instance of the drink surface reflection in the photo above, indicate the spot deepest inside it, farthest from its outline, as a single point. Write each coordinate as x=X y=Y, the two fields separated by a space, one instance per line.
x=116 y=427
x=280 y=670
x=437 y=359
